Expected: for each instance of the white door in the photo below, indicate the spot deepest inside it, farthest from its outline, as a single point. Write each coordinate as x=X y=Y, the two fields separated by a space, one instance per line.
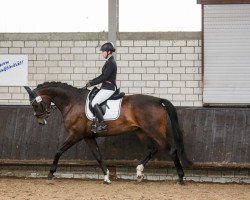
x=226 y=54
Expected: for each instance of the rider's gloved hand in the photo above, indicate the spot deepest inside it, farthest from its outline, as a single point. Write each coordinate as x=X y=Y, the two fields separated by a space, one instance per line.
x=88 y=85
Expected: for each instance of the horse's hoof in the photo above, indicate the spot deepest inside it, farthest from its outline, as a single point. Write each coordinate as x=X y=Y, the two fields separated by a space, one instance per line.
x=107 y=182
x=180 y=182
x=50 y=181
x=140 y=178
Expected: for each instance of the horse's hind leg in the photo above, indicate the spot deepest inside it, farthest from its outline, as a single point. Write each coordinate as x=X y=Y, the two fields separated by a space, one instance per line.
x=97 y=154
x=153 y=149
x=173 y=154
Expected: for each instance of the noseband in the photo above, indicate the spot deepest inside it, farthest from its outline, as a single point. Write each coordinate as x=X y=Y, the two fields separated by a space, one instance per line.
x=45 y=112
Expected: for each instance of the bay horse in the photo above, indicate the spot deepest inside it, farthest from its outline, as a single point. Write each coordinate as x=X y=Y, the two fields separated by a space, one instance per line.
x=143 y=114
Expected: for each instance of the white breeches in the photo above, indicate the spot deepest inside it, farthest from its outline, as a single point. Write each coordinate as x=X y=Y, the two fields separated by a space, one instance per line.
x=102 y=96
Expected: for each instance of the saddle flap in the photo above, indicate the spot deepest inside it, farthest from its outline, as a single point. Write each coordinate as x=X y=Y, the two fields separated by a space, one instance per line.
x=110 y=105
x=113 y=108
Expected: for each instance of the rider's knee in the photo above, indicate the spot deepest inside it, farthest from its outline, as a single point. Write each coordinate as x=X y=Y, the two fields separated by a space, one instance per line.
x=93 y=103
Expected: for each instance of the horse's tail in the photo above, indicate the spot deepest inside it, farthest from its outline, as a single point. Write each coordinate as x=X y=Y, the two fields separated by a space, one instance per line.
x=177 y=133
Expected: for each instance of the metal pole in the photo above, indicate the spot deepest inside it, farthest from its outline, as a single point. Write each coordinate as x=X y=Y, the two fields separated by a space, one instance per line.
x=113 y=20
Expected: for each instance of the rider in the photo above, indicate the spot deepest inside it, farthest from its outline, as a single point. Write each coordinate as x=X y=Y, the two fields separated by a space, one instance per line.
x=108 y=80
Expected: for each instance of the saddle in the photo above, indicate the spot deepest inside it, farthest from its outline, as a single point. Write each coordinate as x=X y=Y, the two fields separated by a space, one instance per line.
x=115 y=96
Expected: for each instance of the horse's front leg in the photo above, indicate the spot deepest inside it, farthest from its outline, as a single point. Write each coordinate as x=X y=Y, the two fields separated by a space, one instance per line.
x=69 y=142
x=97 y=154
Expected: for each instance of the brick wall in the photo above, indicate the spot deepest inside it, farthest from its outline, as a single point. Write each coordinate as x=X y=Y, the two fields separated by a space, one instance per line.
x=166 y=65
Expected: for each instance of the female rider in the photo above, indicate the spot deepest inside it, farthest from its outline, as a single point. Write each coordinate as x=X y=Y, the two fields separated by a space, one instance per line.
x=108 y=80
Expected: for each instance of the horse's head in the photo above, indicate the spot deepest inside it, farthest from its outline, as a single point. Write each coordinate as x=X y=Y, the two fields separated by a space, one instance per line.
x=41 y=105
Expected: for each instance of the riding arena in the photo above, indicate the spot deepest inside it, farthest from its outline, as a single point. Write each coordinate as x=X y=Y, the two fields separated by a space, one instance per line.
x=177 y=128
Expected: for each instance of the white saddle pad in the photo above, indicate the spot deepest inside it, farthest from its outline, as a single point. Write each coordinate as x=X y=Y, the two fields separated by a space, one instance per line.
x=112 y=111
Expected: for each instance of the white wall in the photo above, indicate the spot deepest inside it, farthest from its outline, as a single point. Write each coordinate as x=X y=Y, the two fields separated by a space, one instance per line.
x=165 y=65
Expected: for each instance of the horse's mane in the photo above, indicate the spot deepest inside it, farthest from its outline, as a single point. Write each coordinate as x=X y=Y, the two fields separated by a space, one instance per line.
x=60 y=85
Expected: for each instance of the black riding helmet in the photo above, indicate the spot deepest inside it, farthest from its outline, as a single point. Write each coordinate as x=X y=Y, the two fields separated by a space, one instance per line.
x=108 y=46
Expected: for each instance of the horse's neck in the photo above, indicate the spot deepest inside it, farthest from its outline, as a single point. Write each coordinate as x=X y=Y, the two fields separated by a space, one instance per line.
x=58 y=96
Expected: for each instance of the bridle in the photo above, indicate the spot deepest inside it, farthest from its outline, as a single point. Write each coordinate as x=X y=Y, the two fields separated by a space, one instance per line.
x=44 y=111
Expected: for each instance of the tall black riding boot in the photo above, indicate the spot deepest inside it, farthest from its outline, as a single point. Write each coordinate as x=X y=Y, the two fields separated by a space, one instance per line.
x=98 y=113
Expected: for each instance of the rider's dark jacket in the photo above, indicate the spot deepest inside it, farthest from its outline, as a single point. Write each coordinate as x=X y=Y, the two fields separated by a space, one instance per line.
x=108 y=76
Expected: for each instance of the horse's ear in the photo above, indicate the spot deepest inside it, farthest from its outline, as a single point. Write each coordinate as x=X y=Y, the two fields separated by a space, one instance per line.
x=32 y=94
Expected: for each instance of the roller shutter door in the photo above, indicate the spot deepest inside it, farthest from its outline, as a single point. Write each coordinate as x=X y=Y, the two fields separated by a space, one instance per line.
x=226 y=54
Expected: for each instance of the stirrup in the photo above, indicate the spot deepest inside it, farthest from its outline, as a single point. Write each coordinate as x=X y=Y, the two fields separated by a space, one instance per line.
x=97 y=128
x=101 y=127
x=94 y=129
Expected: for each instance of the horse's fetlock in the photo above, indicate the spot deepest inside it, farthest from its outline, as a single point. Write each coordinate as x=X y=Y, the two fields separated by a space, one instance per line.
x=180 y=182
x=53 y=169
x=181 y=174
x=139 y=170
x=50 y=176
